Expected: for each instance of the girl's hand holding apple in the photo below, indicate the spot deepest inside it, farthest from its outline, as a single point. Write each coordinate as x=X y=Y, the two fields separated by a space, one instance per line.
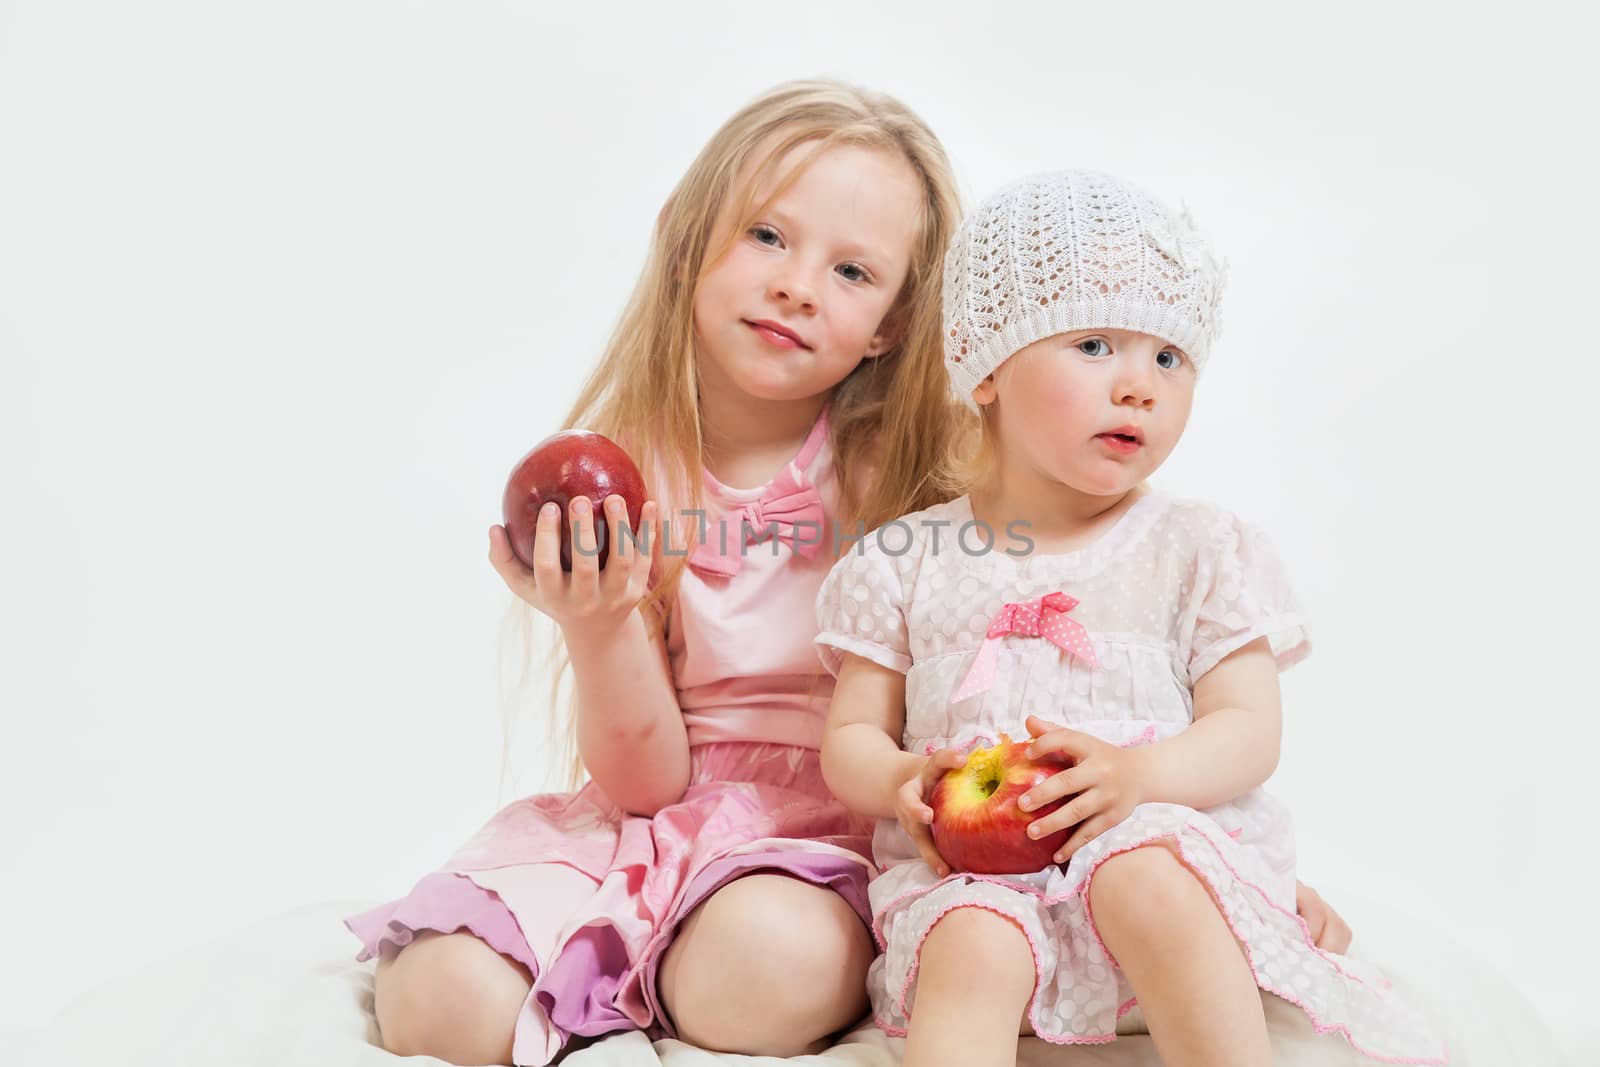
x=912 y=810
x=554 y=552
x=559 y=470
x=977 y=824
x=1109 y=783
x=590 y=595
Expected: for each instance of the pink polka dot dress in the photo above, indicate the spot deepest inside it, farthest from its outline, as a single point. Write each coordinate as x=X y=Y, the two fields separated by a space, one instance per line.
x=1108 y=640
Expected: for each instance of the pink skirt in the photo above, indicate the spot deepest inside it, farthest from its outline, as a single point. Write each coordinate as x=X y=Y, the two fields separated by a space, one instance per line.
x=587 y=898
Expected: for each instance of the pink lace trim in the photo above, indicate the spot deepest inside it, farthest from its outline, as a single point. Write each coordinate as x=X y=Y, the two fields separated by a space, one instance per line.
x=1147 y=736
x=1033 y=1001
x=1001 y=880
x=1316 y=1022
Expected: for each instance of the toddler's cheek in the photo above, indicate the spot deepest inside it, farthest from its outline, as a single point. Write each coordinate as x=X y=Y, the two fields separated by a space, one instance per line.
x=1059 y=409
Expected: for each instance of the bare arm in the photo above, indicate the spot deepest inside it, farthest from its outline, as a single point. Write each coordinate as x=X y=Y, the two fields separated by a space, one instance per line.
x=631 y=733
x=861 y=757
x=1233 y=744
x=1231 y=748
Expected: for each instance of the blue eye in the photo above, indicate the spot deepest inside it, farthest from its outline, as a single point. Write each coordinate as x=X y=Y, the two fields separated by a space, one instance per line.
x=1176 y=359
x=764 y=234
x=1094 y=346
x=852 y=272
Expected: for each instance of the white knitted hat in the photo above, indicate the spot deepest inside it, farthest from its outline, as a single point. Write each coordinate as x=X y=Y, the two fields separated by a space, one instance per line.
x=1073 y=250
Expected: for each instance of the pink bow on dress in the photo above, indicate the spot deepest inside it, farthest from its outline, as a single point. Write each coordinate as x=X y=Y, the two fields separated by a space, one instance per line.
x=789 y=502
x=1045 y=617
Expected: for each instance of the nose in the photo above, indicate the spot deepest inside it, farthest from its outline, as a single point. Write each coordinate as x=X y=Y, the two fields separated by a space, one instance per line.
x=1136 y=380
x=791 y=284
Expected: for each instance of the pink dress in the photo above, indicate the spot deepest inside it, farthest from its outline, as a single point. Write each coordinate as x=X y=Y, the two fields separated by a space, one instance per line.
x=588 y=897
x=1108 y=640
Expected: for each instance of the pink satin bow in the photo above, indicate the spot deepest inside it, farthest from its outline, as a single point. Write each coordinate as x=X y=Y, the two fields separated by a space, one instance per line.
x=1045 y=617
x=788 y=502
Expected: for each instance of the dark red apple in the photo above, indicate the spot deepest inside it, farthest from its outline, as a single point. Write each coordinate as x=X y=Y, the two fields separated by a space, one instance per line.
x=564 y=466
x=977 y=826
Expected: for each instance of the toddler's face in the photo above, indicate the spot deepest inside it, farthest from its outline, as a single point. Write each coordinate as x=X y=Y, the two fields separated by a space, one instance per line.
x=800 y=298
x=1062 y=399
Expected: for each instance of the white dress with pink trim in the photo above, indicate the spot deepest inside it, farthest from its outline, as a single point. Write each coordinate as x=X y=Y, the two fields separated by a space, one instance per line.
x=1168 y=592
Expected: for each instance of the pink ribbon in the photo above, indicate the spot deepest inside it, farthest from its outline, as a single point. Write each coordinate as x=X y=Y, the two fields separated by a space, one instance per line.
x=1045 y=617
x=789 y=501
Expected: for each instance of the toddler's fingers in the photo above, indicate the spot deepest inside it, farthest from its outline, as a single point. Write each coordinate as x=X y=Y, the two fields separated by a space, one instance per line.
x=1328 y=930
x=922 y=837
x=1061 y=784
x=1313 y=912
x=1085 y=833
x=1067 y=816
x=912 y=800
x=1336 y=936
x=941 y=763
x=1038 y=727
x=1315 y=922
x=1062 y=741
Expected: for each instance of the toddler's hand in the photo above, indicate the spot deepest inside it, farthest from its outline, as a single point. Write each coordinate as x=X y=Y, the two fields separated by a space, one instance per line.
x=1106 y=778
x=1330 y=932
x=588 y=595
x=911 y=805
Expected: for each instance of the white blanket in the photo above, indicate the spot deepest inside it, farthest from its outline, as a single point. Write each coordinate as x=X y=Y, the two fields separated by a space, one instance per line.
x=288 y=993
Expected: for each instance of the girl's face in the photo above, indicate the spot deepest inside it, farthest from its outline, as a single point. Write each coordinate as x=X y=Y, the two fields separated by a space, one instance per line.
x=1062 y=400
x=800 y=298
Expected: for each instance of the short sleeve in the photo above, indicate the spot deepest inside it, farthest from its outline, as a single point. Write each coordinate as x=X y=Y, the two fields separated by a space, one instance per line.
x=861 y=608
x=1241 y=593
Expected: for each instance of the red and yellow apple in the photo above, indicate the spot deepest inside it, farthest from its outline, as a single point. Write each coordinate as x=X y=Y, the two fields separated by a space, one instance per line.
x=559 y=469
x=977 y=825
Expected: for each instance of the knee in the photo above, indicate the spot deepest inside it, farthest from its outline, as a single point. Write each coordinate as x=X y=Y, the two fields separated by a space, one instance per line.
x=982 y=951
x=768 y=965
x=449 y=996
x=1149 y=886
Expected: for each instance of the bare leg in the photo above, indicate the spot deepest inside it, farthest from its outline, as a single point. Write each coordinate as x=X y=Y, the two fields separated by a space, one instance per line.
x=767 y=965
x=1195 y=988
x=974 y=982
x=450 y=996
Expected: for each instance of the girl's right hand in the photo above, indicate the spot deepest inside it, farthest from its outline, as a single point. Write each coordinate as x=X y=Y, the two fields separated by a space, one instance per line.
x=589 y=596
x=911 y=804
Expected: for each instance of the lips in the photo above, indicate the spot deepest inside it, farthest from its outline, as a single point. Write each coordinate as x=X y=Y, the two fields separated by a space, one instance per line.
x=776 y=333
x=1128 y=433
x=1125 y=444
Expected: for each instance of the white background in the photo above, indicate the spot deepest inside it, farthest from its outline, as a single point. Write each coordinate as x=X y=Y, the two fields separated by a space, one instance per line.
x=285 y=289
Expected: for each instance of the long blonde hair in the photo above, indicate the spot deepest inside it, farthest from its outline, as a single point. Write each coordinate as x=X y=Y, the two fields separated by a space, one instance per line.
x=891 y=420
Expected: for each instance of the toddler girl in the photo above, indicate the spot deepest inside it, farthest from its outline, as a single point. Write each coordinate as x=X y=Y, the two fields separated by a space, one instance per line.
x=1139 y=634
